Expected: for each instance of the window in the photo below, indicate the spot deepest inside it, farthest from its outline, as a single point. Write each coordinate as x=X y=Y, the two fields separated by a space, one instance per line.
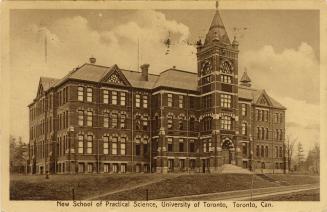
x=226 y=68
x=80 y=118
x=80 y=94
x=204 y=146
x=106 y=145
x=267 y=134
x=206 y=101
x=262 y=133
x=114 y=97
x=170 y=122
x=123 y=146
x=90 y=167
x=207 y=123
x=114 y=146
x=257 y=151
x=192 y=123
x=266 y=115
x=137 y=100
x=137 y=149
x=115 y=168
x=145 y=123
x=180 y=124
x=106 y=120
x=266 y=151
x=226 y=123
x=258 y=132
x=123 y=168
x=122 y=121
x=244 y=109
x=105 y=96
x=170 y=144
x=122 y=98
x=170 y=99
x=262 y=151
x=114 y=120
x=180 y=101
x=145 y=101
x=244 y=148
x=192 y=146
x=138 y=122
x=192 y=164
x=106 y=167
x=80 y=167
x=89 y=144
x=89 y=118
x=280 y=152
x=89 y=94
x=81 y=144
x=276 y=151
x=225 y=79
x=181 y=145
x=244 y=128
x=145 y=148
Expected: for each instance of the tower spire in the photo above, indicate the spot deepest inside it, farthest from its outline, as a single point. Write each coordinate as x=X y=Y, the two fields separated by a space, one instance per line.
x=217 y=31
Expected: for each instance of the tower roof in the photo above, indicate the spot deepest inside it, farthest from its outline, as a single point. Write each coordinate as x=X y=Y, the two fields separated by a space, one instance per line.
x=217 y=31
x=245 y=77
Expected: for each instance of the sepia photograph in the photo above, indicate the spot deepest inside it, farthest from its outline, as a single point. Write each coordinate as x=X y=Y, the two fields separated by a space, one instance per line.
x=163 y=105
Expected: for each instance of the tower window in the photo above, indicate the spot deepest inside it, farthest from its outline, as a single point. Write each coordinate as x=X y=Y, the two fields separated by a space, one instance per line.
x=226 y=123
x=226 y=100
x=225 y=79
x=226 y=68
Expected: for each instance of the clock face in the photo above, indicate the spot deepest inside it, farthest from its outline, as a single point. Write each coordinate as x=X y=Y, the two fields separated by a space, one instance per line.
x=206 y=67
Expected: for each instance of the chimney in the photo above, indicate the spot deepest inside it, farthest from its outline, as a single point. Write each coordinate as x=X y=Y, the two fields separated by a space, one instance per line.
x=93 y=60
x=145 y=71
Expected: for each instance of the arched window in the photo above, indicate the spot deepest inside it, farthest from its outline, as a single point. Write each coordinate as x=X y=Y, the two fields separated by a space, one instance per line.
x=226 y=68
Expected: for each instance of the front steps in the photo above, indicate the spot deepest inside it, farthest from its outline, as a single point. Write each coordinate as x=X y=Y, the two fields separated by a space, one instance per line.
x=229 y=168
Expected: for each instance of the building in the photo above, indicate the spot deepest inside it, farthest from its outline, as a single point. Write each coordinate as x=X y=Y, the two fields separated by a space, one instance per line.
x=101 y=119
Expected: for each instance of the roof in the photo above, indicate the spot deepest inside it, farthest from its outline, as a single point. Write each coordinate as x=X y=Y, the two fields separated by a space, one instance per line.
x=245 y=77
x=217 y=31
x=47 y=82
x=174 y=78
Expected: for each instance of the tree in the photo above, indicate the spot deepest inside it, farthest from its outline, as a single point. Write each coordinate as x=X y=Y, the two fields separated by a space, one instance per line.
x=18 y=154
x=312 y=162
x=290 y=143
x=300 y=156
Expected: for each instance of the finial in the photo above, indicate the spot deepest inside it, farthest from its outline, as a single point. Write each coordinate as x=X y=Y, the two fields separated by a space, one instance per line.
x=245 y=69
x=217 y=4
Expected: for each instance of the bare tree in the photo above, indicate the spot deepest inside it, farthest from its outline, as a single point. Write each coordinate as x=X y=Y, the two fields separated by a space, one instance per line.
x=290 y=143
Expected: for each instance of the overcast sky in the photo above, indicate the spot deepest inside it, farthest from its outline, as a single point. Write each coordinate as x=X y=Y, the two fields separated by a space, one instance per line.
x=279 y=48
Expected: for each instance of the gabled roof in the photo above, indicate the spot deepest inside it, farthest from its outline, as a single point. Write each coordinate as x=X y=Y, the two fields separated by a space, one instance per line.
x=254 y=95
x=47 y=82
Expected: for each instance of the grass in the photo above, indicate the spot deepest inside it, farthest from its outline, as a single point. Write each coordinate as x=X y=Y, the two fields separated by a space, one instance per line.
x=295 y=179
x=312 y=195
x=191 y=185
x=59 y=187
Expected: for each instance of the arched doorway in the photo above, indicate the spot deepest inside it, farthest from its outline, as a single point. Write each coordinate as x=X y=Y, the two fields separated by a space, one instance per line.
x=227 y=147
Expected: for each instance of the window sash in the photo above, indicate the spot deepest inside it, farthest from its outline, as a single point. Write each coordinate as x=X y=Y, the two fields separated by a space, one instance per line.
x=89 y=118
x=89 y=94
x=80 y=117
x=105 y=96
x=80 y=93
x=114 y=97
x=137 y=100
x=122 y=98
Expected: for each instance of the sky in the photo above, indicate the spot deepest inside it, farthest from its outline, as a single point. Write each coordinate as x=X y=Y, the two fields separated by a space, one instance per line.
x=279 y=49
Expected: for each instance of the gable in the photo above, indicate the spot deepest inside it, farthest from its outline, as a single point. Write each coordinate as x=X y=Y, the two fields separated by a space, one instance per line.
x=115 y=76
x=39 y=90
x=264 y=99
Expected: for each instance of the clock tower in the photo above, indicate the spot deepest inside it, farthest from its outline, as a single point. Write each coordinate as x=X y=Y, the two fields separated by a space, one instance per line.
x=217 y=60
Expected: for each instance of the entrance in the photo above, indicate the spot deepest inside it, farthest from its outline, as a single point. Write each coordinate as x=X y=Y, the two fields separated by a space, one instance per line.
x=226 y=151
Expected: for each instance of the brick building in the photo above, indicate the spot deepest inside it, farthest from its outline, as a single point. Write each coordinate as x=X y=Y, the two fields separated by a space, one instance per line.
x=101 y=119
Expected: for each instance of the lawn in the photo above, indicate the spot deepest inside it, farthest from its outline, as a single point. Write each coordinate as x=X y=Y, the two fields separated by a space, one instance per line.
x=190 y=185
x=312 y=195
x=295 y=179
x=59 y=187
